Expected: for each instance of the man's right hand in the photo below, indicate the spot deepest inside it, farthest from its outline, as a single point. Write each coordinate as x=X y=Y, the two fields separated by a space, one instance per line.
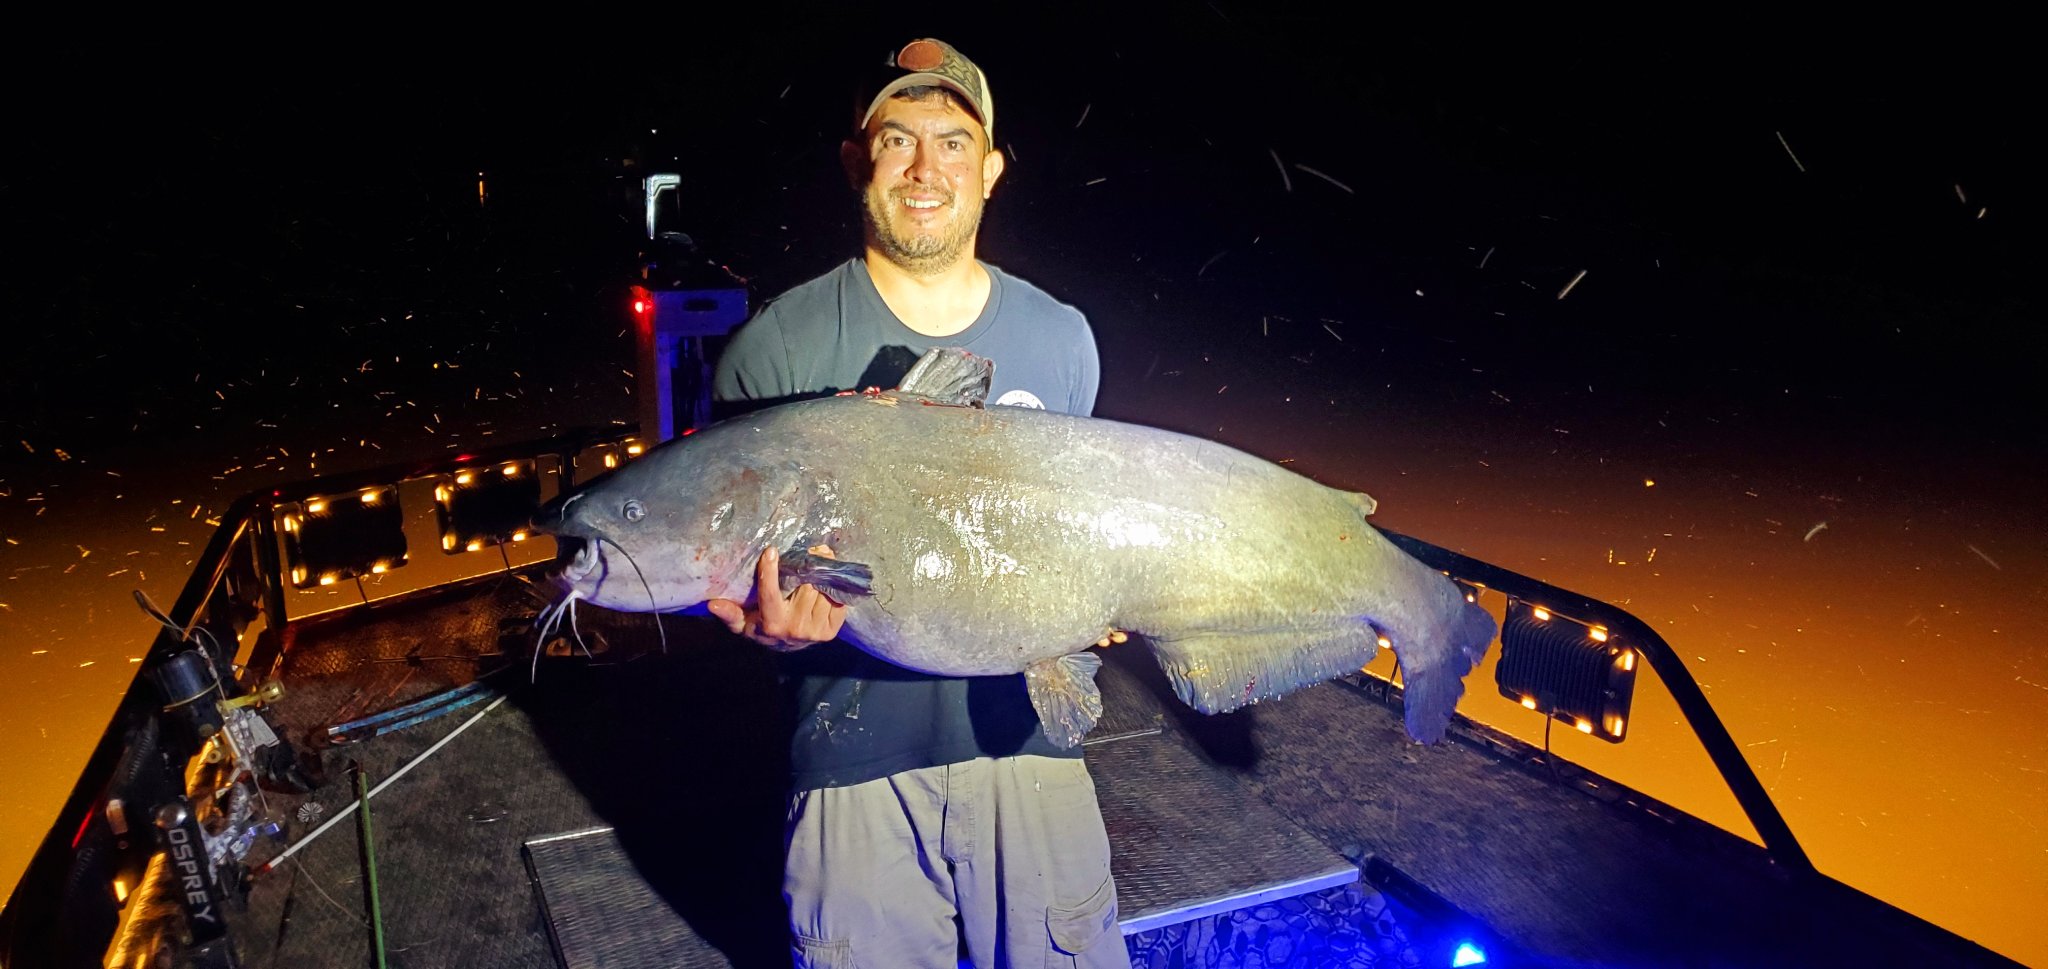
x=803 y=618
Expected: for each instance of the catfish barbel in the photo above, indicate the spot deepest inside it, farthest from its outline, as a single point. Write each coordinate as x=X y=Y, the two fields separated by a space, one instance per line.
x=976 y=542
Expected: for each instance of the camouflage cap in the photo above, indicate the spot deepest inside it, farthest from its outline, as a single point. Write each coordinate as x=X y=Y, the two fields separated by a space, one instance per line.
x=934 y=63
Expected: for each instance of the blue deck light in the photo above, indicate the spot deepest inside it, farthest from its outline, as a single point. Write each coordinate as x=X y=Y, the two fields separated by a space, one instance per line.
x=1468 y=955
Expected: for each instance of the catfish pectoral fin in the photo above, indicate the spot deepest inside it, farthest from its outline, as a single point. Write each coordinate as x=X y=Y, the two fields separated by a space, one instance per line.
x=1064 y=694
x=841 y=579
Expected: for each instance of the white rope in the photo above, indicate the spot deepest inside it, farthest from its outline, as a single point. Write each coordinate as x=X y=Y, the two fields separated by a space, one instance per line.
x=352 y=805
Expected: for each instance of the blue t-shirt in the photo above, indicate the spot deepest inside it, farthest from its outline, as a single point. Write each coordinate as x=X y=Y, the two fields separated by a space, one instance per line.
x=858 y=718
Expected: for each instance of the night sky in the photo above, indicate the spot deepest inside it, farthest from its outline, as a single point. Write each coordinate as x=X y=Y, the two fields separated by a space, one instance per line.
x=1843 y=206
x=1803 y=244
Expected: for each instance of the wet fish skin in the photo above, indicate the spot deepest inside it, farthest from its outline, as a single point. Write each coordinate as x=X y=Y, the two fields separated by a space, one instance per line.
x=1008 y=540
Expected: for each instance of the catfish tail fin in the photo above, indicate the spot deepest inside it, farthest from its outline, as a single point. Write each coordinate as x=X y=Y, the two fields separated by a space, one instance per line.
x=1433 y=673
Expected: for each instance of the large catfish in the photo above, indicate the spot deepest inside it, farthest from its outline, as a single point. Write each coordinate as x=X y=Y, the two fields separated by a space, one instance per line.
x=974 y=542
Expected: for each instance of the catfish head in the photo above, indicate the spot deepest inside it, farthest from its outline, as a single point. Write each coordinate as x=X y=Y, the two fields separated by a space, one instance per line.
x=680 y=525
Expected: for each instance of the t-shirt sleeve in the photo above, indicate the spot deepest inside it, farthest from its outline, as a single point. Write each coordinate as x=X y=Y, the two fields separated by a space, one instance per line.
x=755 y=364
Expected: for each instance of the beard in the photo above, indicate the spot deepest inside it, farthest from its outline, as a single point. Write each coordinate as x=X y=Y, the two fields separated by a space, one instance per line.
x=923 y=252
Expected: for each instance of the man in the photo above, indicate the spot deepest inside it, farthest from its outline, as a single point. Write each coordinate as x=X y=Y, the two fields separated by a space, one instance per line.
x=929 y=813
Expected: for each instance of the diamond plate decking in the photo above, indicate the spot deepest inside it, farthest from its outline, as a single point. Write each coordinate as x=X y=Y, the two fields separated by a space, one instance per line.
x=602 y=914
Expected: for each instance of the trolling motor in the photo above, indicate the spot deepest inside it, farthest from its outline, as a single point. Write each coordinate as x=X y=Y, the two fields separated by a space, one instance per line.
x=197 y=697
x=207 y=835
x=187 y=682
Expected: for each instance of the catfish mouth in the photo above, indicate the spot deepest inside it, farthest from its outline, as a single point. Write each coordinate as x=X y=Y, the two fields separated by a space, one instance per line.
x=578 y=548
x=577 y=558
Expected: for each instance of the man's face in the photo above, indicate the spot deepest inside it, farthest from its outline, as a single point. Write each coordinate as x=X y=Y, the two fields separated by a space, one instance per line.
x=924 y=174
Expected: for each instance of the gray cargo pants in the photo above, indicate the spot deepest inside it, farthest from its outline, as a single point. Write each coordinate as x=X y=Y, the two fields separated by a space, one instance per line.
x=1012 y=848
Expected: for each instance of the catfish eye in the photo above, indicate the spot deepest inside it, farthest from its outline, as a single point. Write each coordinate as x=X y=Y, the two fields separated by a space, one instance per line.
x=634 y=511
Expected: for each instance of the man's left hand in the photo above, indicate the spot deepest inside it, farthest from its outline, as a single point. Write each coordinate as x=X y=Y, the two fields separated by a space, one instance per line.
x=803 y=618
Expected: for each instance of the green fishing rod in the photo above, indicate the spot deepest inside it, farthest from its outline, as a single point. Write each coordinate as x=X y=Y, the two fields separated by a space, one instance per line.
x=369 y=866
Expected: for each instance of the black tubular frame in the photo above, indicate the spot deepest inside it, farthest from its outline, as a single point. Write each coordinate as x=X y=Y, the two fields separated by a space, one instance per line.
x=1749 y=792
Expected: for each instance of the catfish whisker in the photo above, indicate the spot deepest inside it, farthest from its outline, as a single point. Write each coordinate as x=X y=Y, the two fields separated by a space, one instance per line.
x=578 y=632
x=652 y=604
x=540 y=638
x=550 y=620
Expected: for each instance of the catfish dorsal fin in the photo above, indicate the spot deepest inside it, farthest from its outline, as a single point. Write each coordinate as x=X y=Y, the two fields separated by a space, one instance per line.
x=950 y=375
x=1366 y=504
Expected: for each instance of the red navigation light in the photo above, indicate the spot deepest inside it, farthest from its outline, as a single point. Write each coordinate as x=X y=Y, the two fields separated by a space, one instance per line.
x=643 y=307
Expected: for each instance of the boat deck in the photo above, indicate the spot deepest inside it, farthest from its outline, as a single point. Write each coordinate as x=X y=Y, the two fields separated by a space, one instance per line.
x=649 y=786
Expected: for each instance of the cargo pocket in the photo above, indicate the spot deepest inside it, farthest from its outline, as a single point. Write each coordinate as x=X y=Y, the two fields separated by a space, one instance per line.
x=816 y=954
x=1074 y=929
